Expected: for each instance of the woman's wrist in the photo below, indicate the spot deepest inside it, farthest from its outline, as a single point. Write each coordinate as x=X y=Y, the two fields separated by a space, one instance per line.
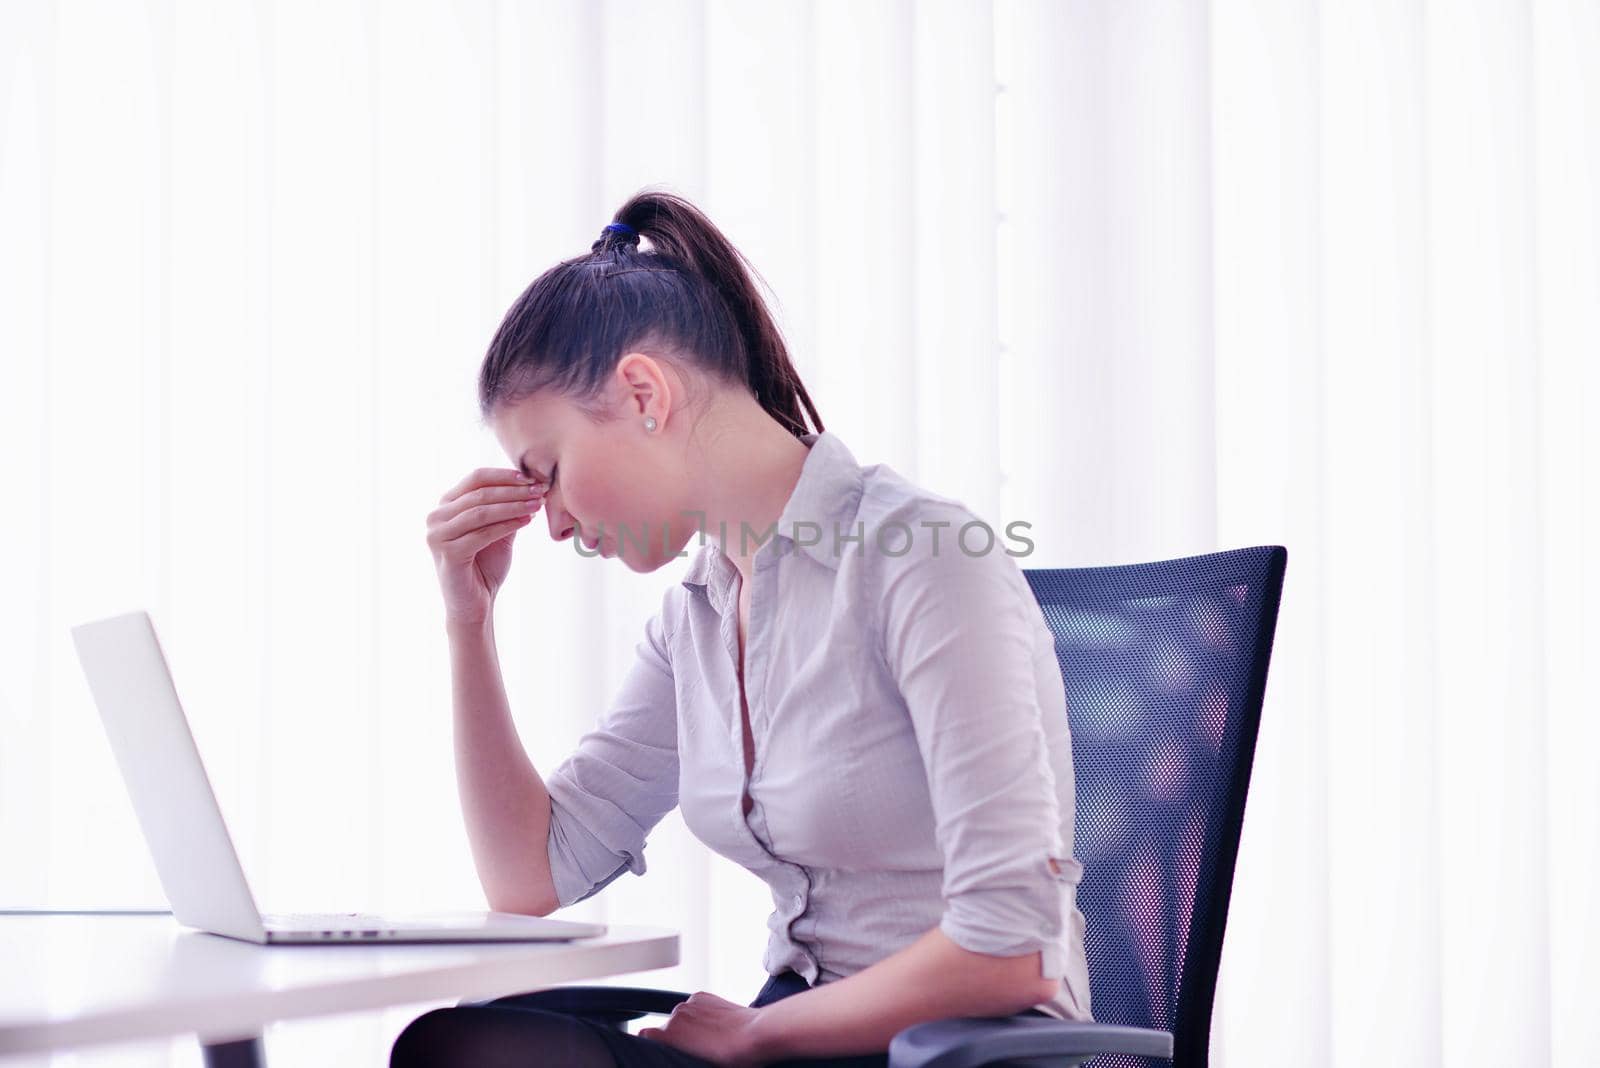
x=760 y=1045
x=455 y=627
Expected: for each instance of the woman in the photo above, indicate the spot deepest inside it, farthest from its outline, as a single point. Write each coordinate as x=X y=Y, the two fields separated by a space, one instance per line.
x=852 y=692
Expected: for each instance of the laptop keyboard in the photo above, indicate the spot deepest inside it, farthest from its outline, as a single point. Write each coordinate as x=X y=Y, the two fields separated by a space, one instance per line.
x=311 y=919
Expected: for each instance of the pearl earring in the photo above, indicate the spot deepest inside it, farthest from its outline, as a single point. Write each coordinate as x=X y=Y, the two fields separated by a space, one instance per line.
x=649 y=422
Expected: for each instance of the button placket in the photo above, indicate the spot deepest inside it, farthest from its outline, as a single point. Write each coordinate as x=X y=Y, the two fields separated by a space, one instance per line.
x=753 y=662
x=730 y=642
x=757 y=661
x=729 y=628
x=755 y=670
x=755 y=667
x=755 y=676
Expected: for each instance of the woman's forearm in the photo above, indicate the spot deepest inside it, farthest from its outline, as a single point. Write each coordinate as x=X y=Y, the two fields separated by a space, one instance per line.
x=503 y=799
x=931 y=979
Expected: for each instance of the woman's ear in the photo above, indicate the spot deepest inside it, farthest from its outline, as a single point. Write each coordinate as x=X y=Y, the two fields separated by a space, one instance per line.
x=646 y=390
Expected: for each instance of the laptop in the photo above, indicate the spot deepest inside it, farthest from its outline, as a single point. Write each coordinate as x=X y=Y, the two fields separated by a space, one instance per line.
x=182 y=823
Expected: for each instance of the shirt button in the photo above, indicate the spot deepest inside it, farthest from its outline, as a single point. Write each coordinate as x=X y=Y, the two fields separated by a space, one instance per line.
x=799 y=899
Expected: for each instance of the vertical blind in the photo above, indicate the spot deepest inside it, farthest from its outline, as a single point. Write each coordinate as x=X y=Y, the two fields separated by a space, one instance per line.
x=1154 y=277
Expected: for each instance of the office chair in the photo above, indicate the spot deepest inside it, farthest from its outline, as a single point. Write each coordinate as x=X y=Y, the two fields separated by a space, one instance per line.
x=1165 y=666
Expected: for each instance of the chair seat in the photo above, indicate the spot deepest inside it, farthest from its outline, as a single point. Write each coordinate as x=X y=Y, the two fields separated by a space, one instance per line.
x=972 y=1042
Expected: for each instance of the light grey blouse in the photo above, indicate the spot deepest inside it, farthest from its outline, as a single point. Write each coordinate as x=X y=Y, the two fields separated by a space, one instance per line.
x=913 y=766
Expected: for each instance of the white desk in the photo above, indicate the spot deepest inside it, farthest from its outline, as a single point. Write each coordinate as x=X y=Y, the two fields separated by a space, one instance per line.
x=76 y=980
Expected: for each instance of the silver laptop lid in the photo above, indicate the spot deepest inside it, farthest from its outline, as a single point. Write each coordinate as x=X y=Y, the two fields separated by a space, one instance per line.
x=166 y=780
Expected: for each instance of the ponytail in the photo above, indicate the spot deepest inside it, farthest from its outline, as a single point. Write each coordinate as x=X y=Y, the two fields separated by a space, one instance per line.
x=691 y=295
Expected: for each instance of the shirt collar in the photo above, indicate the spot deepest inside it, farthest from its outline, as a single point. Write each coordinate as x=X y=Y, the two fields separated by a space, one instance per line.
x=825 y=500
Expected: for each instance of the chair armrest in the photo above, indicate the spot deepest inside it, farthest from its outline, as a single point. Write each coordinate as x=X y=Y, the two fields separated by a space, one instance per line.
x=972 y=1041
x=611 y=1004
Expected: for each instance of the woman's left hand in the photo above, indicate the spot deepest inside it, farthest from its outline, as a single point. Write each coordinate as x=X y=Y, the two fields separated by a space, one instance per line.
x=713 y=1028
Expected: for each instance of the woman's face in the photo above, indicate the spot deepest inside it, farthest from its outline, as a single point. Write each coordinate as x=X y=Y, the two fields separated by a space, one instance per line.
x=614 y=486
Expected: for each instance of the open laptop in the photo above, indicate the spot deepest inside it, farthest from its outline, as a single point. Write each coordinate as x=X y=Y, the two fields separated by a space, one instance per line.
x=182 y=823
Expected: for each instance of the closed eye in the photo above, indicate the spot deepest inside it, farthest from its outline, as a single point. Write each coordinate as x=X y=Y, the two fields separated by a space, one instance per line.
x=539 y=478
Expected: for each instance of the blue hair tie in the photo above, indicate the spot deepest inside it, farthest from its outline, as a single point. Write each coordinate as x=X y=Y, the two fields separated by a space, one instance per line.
x=622 y=228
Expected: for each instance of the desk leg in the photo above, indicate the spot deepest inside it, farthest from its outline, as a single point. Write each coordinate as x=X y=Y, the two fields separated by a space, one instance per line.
x=245 y=1053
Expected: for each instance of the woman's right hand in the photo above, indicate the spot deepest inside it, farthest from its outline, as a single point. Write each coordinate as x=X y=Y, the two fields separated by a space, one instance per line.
x=471 y=533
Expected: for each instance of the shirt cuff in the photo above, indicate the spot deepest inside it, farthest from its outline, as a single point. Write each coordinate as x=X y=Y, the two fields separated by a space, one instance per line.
x=1012 y=920
x=581 y=865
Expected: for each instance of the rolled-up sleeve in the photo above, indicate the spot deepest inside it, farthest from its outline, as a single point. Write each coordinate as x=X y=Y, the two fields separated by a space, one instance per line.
x=622 y=778
x=960 y=646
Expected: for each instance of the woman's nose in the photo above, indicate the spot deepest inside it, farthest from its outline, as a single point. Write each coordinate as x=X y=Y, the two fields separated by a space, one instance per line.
x=562 y=525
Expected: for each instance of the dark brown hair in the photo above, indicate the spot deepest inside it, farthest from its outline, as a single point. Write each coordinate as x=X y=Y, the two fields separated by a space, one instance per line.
x=689 y=297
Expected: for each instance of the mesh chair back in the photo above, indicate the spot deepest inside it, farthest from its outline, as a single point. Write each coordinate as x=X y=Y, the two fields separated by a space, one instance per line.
x=1165 y=665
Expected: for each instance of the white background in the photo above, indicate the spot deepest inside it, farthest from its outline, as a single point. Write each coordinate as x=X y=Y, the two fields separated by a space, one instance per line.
x=1156 y=277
